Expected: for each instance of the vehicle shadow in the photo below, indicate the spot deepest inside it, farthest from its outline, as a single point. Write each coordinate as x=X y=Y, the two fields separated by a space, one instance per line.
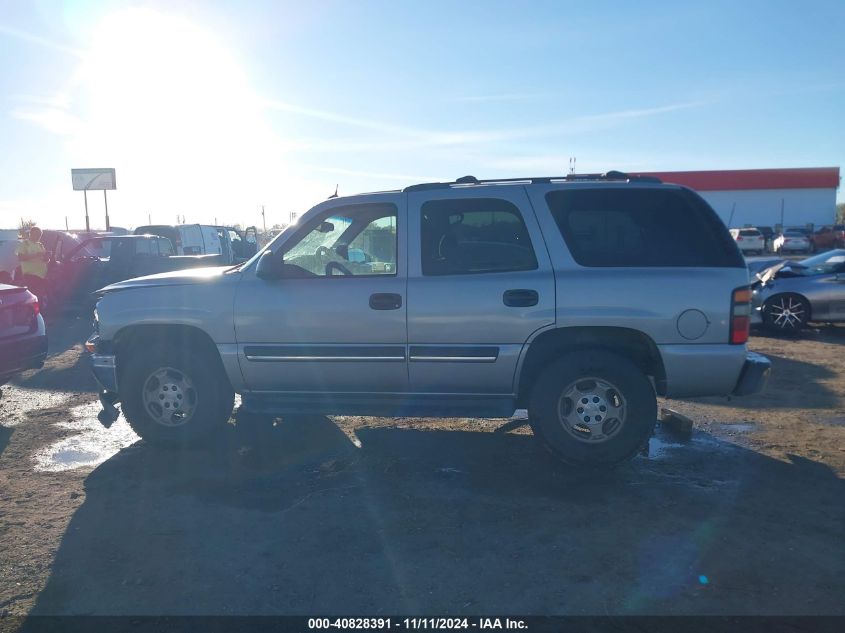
x=300 y=520
x=821 y=332
x=5 y=434
x=793 y=384
x=64 y=369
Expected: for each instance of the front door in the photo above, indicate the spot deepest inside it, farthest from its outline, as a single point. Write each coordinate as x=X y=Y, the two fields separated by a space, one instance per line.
x=480 y=284
x=335 y=323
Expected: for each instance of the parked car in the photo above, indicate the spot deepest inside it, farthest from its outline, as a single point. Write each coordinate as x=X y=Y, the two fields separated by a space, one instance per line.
x=791 y=241
x=580 y=298
x=100 y=261
x=787 y=295
x=23 y=336
x=749 y=241
x=828 y=237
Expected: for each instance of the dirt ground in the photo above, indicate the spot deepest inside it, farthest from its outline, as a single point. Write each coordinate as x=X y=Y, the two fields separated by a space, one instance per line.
x=383 y=516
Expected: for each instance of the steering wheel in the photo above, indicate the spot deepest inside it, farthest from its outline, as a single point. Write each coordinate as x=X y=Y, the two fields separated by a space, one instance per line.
x=332 y=265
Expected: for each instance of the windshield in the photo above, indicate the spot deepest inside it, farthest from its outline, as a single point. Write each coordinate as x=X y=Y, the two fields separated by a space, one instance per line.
x=823 y=264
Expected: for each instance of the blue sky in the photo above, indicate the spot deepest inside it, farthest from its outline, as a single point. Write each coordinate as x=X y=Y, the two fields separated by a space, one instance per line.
x=209 y=109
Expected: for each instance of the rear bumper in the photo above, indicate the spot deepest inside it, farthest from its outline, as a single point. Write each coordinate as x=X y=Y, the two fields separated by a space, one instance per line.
x=754 y=375
x=21 y=353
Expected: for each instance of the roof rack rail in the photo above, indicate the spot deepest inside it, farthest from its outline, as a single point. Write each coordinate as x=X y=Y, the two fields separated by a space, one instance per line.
x=534 y=180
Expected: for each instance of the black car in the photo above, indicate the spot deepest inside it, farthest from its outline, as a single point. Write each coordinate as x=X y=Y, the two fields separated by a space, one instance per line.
x=100 y=261
x=23 y=336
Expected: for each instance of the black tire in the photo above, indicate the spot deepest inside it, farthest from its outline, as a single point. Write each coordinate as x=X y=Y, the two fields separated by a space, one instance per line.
x=210 y=393
x=579 y=448
x=786 y=313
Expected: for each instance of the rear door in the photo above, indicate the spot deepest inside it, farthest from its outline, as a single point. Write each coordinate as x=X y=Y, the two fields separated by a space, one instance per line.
x=480 y=284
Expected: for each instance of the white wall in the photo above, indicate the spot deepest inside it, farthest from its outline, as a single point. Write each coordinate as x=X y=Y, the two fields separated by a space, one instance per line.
x=761 y=207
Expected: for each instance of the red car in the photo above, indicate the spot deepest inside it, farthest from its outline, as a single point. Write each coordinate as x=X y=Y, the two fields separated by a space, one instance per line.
x=828 y=237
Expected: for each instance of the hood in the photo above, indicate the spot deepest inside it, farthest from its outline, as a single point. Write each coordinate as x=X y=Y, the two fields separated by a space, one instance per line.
x=184 y=277
x=767 y=274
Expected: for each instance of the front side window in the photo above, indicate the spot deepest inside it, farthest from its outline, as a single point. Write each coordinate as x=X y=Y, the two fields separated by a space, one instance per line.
x=359 y=241
x=474 y=235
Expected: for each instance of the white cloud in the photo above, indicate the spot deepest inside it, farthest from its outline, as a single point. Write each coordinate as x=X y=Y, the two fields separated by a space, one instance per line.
x=40 y=41
x=53 y=120
x=515 y=96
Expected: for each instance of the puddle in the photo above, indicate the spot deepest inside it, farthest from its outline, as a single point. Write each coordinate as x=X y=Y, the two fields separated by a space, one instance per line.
x=738 y=428
x=92 y=445
x=17 y=402
x=660 y=449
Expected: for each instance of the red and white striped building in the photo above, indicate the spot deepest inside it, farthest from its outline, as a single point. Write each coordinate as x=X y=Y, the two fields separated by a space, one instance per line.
x=765 y=197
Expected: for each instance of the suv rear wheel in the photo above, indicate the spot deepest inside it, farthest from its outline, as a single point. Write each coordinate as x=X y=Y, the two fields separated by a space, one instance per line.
x=593 y=408
x=175 y=397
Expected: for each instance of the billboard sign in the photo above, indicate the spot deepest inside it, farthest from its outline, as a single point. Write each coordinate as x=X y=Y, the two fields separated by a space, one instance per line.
x=93 y=179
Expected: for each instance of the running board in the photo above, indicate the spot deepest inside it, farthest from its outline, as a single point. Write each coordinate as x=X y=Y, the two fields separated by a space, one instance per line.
x=388 y=406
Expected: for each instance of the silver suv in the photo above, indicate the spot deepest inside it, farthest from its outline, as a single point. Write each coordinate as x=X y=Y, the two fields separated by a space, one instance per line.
x=580 y=298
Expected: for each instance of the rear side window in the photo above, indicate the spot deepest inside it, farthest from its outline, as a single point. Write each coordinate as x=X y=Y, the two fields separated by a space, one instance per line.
x=611 y=227
x=474 y=235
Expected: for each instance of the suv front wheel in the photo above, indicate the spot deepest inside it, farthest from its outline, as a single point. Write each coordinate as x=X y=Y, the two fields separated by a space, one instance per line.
x=593 y=408
x=175 y=397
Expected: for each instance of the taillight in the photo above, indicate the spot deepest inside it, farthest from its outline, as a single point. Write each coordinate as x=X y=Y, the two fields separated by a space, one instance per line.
x=739 y=238
x=32 y=302
x=740 y=315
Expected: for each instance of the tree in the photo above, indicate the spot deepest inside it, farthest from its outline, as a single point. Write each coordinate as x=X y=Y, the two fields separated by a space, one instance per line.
x=25 y=225
x=840 y=213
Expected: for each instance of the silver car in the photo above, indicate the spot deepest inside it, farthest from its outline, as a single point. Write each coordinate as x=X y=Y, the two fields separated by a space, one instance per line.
x=787 y=295
x=579 y=298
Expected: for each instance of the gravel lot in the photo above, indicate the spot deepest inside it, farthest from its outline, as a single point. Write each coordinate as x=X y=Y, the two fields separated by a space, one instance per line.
x=384 y=516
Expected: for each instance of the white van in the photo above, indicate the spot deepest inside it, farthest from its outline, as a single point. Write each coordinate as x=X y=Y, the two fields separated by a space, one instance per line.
x=200 y=239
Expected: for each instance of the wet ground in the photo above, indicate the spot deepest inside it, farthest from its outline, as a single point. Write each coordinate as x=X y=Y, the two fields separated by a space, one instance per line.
x=376 y=516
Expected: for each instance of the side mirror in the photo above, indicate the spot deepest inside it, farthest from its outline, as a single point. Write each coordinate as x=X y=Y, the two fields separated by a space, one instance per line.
x=270 y=266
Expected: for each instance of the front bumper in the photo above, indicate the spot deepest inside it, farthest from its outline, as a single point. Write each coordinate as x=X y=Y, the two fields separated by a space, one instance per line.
x=754 y=375
x=104 y=368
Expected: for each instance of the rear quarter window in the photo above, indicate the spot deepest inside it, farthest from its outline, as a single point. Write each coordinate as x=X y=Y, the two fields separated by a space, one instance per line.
x=615 y=227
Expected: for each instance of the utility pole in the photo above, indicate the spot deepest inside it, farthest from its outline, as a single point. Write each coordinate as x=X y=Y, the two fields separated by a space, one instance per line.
x=149 y=218
x=263 y=218
x=67 y=228
x=87 y=223
x=781 y=212
x=106 y=201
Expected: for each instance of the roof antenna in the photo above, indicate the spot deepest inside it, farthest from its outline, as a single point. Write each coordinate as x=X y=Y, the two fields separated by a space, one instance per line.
x=334 y=195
